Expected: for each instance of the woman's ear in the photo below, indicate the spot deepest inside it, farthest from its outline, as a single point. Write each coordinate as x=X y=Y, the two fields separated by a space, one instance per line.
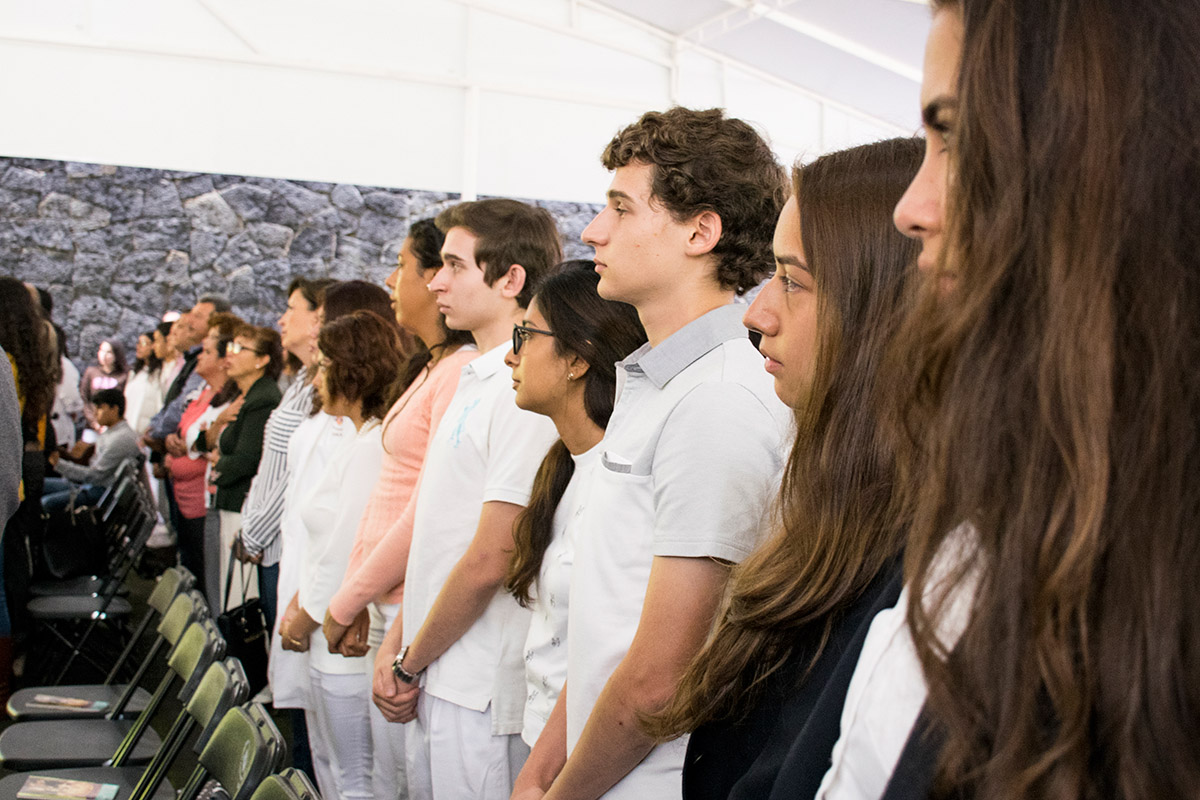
x=577 y=367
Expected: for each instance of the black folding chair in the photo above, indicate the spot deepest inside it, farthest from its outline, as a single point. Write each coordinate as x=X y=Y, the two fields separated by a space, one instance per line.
x=291 y=784
x=179 y=606
x=245 y=748
x=51 y=744
x=223 y=687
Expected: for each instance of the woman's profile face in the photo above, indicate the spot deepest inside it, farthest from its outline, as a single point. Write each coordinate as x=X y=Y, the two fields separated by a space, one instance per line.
x=161 y=348
x=144 y=347
x=920 y=214
x=541 y=377
x=105 y=357
x=411 y=297
x=785 y=312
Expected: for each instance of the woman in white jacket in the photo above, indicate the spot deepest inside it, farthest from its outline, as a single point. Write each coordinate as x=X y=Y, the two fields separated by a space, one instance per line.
x=358 y=367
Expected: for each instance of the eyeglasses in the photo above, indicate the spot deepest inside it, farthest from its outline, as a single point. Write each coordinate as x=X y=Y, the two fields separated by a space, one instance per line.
x=233 y=348
x=521 y=334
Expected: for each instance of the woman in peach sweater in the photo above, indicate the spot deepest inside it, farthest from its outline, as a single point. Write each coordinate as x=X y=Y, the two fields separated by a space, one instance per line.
x=373 y=586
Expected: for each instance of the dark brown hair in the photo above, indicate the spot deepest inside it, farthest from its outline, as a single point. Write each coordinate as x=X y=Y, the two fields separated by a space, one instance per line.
x=836 y=525
x=25 y=335
x=705 y=162
x=426 y=245
x=363 y=351
x=310 y=289
x=225 y=323
x=267 y=342
x=508 y=232
x=1050 y=399
x=344 y=297
x=601 y=332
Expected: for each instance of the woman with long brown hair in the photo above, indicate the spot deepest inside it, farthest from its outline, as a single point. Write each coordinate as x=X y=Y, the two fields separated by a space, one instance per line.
x=1049 y=389
x=795 y=613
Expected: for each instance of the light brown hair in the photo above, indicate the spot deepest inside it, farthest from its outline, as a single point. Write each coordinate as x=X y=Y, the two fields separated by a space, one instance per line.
x=365 y=362
x=836 y=525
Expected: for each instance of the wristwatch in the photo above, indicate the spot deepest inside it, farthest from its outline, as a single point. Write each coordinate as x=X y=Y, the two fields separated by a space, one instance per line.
x=400 y=672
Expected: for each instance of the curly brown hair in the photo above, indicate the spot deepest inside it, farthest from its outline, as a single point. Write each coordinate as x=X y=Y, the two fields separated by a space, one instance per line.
x=365 y=361
x=704 y=161
x=25 y=336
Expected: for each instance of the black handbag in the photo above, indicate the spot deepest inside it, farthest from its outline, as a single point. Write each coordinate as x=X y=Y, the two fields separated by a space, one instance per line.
x=73 y=543
x=245 y=630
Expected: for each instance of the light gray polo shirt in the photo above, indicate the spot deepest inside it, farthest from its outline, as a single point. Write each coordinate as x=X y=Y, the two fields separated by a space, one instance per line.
x=689 y=466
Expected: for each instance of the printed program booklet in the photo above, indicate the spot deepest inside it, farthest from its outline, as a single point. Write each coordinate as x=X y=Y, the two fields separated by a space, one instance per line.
x=41 y=787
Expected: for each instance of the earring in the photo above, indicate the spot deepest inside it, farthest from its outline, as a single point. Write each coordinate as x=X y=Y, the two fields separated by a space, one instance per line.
x=570 y=376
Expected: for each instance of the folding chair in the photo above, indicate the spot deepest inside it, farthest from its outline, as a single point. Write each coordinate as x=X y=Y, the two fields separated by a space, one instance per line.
x=223 y=686
x=245 y=748
x=291 y=784
x=179 y=606
x=50 y=744
x=71 y=620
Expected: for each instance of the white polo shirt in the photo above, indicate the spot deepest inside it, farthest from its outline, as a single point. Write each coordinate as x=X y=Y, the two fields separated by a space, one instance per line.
x=688 y=467
x=485 y=449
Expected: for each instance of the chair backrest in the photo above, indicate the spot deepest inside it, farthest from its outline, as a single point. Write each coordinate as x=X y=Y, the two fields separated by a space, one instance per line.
x=291 y=784
x=186 y=608
x=245 y=748
x=173 y=581
x=200 y=645
x=223 y=686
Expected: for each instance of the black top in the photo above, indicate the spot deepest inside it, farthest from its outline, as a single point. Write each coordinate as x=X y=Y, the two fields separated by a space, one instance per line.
x=242 y=444
x=781 y=748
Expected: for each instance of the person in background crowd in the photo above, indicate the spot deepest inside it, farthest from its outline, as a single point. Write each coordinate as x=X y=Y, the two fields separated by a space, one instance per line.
x=1047 y=388
x=109 y=372
x=563 y=360
x=68 y=404
x=32 y=355
x=464 y=720
x=261 y=513
x=691 y=454
x=10 y=446
x=253 y=360
x=143 y=393
x=374 y=581
x=167 y=355
x=86 y=484
x=359 y=366
x=188 y=465
x=345 y=297
x=764 y=696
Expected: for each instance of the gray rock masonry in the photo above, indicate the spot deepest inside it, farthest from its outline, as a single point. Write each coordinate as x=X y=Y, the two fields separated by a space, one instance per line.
x=119 y=246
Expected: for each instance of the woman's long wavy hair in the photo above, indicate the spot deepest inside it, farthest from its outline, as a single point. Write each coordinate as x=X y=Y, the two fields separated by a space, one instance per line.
x=601 y=332
x=1051 y=399
x=26 y=336
x=836 y=525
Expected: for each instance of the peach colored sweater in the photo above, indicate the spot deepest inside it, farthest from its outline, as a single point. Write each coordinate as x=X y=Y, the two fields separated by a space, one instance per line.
x=380 y=554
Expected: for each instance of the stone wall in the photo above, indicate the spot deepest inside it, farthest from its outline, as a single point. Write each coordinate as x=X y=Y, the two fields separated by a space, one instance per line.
x=119 y=246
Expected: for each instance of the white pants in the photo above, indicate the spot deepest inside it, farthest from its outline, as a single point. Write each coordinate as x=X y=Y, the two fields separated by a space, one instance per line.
x=452 y=754
x=339 y=735
x=387 y=738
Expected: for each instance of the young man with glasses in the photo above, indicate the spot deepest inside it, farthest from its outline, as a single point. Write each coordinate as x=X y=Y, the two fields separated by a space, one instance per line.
x=462 y=636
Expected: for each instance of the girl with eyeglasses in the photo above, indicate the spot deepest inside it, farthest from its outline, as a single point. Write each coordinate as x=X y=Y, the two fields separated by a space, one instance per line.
x=564 y=366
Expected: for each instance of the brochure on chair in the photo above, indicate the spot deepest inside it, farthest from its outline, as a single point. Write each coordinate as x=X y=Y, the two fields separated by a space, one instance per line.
x=66 y=703
x=41 y=787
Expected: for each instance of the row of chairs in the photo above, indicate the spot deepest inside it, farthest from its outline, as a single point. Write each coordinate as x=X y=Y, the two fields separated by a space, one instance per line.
x=200 y=702
x=85 y=618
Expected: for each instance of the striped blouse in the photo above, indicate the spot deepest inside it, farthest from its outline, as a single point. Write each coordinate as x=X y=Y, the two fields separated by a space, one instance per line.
x=264 y=503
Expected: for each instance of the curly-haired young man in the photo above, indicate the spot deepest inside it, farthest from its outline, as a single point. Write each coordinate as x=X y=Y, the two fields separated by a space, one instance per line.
x=691 y=452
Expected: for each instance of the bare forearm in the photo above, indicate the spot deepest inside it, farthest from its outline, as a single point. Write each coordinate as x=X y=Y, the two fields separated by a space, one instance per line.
x=463 y=599
x=549 y=752
x=612 y=744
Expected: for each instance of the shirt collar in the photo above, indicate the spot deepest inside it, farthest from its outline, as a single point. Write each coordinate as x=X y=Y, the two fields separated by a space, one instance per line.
x=485 y=365
x=678 y=351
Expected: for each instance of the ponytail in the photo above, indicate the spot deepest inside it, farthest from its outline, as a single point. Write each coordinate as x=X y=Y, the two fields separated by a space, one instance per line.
x=534 y=528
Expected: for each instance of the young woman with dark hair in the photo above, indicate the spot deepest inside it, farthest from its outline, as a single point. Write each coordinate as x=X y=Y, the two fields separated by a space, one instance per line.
x=1048 y=385
x=773 y=672
x=373 y=585
x=143 y=393
x=358 y=365
x=564 y=366
x=109 y=372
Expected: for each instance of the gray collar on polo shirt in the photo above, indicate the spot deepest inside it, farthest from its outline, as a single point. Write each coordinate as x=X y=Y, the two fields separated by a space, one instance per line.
x=680 y=349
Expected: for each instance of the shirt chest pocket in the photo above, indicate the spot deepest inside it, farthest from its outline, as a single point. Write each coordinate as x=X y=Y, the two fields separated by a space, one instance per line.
x=623 y=498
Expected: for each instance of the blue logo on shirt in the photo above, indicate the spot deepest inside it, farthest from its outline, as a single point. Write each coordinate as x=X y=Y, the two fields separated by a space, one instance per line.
x=457 y=433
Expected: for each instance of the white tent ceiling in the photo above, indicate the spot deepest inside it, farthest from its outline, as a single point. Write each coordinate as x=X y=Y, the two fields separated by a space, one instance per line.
x=512 y=97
